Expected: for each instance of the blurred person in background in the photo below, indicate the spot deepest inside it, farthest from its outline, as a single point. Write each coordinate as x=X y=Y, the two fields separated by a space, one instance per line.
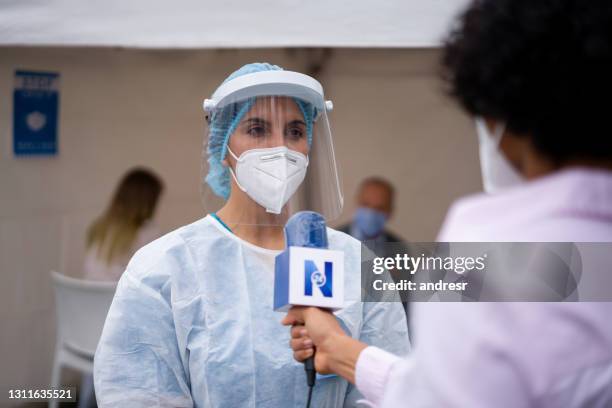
x=375 y=203
x=535 y=75
x=125 y=226
x=116 y=235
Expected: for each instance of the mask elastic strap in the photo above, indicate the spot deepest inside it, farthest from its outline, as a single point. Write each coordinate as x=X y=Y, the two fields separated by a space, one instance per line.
x=236 y=180
x=232 y=171
x=232 y=153
x=498 y=133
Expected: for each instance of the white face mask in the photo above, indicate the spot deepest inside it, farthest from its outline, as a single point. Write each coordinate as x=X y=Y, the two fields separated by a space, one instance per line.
x=270 y=176
x=497 y=172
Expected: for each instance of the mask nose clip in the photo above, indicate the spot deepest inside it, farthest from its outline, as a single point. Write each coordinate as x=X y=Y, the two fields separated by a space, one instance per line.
x=272 y=157
x=279 y=155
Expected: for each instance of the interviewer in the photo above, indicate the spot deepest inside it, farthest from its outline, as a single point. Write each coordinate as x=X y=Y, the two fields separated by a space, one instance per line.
x=537 y=76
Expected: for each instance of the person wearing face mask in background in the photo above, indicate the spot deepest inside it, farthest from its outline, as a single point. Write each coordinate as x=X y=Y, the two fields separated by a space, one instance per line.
x=192 y=322
x=375 y=202
x=534 y=74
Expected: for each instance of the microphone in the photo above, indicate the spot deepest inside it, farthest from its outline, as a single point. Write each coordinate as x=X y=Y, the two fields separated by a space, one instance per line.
x=307 y=273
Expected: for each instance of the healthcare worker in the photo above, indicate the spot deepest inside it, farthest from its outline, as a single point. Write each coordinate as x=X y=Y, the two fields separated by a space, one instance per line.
x=192 y=322
x=536 y=73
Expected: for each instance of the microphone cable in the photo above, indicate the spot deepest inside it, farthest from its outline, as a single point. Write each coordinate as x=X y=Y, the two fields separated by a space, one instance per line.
x=311 y=377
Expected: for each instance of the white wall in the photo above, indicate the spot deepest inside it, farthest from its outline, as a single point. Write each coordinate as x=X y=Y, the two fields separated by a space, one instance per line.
x=120 y=108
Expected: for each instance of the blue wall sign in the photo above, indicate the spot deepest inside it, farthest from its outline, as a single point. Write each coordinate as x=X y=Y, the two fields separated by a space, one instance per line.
x=35 y=113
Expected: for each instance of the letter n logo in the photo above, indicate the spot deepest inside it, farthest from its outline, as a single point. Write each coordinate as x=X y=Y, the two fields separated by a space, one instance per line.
x=312 y=275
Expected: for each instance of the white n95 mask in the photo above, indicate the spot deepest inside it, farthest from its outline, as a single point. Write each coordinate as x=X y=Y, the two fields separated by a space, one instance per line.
x=270 y=176
x=497 y=172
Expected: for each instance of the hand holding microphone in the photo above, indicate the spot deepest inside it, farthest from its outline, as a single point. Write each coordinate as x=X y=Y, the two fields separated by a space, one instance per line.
x=309 y=283
x=314 y=328
x=307 y=273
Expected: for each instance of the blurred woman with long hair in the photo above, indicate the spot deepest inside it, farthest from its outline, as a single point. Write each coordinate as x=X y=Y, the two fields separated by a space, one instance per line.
x=124 y=227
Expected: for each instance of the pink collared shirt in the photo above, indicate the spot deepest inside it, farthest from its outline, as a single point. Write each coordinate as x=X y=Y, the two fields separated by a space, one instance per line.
x=509 y=354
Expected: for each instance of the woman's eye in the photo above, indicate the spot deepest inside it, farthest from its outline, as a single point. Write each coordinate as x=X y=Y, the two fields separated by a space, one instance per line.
x=256 y=131
x=295 y=133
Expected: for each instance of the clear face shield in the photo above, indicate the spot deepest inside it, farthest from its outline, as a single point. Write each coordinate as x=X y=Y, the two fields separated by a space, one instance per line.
x=269 y=151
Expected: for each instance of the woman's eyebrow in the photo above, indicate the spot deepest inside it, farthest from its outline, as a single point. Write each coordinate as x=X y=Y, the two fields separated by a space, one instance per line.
x=255 y=121
x=296 y=122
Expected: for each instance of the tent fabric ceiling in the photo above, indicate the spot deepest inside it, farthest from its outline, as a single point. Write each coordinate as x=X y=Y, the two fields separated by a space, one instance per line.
x=226 y=23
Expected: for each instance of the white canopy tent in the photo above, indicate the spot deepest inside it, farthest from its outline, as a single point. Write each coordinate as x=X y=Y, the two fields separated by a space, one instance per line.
x=226 y=23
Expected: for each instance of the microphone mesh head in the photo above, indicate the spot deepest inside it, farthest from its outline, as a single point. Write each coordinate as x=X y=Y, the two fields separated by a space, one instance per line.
x=306 y=229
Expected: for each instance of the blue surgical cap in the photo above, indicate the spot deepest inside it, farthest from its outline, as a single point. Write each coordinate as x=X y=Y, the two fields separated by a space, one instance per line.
x=224 y=122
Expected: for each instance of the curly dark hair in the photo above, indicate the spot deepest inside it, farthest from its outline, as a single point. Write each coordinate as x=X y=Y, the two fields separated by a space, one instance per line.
x=544 y=67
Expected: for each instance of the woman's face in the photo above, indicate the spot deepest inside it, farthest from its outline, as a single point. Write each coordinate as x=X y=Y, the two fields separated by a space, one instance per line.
x=271 y=122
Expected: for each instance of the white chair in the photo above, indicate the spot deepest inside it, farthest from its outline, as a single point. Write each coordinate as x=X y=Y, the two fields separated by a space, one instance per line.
x=81 y=308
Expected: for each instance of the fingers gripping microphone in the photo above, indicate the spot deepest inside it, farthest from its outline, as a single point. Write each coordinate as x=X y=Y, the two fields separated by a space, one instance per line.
x=307 y=273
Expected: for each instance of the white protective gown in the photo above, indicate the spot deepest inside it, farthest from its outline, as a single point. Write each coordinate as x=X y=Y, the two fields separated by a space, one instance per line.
x=192 y=324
